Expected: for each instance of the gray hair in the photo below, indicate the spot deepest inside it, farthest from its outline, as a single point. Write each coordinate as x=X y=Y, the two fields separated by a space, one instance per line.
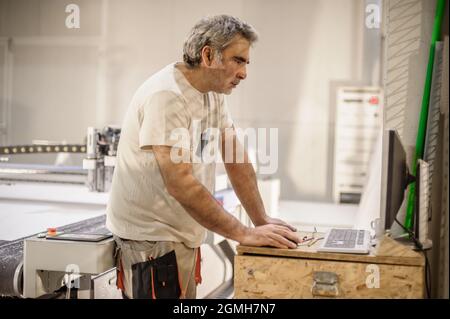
x=217 y=32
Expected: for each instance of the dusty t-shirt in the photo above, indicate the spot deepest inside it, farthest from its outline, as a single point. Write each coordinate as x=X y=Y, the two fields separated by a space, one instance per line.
x=166 y=110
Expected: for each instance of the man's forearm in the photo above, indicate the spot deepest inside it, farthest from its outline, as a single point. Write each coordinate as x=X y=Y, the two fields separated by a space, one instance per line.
x=243 y=179
x=202 y=206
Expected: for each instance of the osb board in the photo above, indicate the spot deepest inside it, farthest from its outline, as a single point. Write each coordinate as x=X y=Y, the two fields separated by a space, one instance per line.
x=390 y=247
x=399 y=254
x=268 y=277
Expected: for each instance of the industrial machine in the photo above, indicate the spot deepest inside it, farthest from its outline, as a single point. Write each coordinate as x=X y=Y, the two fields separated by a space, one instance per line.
x=96 y=172
x=36 y=267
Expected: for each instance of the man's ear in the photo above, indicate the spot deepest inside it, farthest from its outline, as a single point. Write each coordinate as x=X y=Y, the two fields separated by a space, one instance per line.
x=207 y=55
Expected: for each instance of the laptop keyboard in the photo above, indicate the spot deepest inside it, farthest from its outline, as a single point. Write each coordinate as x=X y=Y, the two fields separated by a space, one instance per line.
x=345 y=238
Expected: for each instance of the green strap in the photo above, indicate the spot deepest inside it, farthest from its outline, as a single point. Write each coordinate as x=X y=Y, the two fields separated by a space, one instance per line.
x=420 y=141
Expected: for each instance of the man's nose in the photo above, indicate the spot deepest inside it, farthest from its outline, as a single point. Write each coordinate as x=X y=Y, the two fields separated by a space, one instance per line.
x=242 y=74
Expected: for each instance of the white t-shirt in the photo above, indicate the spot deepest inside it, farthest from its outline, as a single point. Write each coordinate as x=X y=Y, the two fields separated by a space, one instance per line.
x=139 y=207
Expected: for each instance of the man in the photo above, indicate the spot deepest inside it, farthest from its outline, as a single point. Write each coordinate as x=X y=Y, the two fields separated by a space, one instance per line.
x=160 y=204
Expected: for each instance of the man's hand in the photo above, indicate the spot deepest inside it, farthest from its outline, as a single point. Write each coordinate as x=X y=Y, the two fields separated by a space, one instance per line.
x=270 y=235
x=276 y=221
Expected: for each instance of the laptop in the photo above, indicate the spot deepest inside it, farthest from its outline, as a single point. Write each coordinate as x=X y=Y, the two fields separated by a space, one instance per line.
x=351 y=241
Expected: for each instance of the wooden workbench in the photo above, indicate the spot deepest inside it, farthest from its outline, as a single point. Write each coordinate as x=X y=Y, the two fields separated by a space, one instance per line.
x=390 y=270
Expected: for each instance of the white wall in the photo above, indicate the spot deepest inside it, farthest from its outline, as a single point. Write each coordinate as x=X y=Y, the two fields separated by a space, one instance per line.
x=304 y=45
x=72 y=82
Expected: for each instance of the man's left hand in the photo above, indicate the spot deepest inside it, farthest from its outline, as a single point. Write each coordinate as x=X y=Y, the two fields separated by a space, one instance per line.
x=277 y=221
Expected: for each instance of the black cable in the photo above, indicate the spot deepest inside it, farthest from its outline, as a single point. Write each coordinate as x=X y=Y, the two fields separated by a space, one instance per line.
x=427 y=264
x=411 y=235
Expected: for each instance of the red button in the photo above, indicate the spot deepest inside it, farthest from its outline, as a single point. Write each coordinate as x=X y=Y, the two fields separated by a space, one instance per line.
x=374 y=100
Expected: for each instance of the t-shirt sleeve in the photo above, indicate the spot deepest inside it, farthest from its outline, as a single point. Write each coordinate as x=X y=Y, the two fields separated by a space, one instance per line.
x=164 y=121
x=225 y=120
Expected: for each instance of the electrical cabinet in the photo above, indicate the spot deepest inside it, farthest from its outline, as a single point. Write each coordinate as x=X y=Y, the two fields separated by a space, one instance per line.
x=358 y=122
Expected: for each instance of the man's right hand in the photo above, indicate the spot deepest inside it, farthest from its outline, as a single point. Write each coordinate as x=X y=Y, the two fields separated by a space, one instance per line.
x=270 y=235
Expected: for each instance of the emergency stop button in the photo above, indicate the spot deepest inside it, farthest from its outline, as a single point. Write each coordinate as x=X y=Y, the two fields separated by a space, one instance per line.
x=51 y=231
